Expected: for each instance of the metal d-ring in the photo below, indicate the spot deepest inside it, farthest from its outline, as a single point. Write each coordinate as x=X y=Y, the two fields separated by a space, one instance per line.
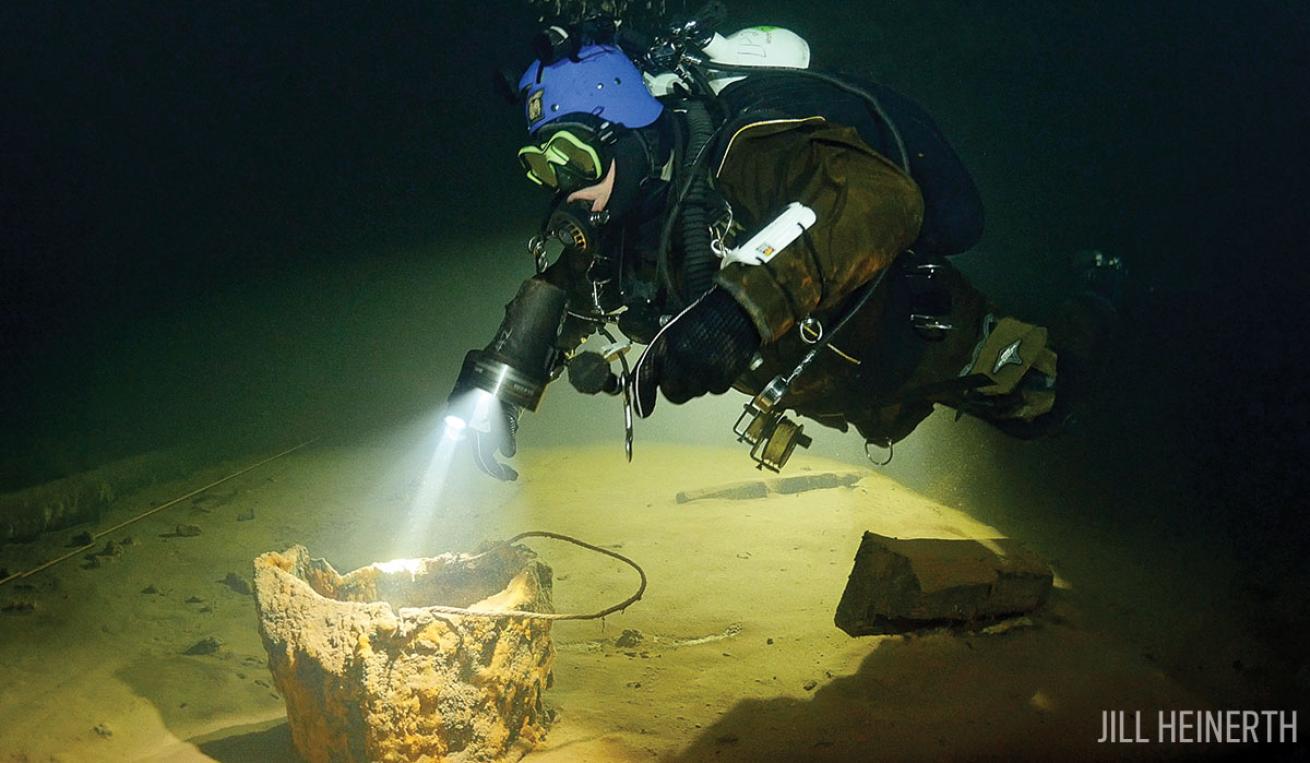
x=869 y=455
x=811 y=330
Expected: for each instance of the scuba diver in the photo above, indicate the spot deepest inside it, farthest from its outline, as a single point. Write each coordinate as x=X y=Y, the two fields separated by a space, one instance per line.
x=765 y=228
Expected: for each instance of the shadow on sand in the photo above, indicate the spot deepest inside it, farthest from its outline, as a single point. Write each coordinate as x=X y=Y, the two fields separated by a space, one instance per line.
x=263 y=741
x=1036 y=692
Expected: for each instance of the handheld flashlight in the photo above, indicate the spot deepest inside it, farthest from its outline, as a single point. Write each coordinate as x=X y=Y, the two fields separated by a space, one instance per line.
x=518 y=364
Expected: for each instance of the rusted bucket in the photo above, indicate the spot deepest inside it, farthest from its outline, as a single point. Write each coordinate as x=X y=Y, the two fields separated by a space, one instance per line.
x=371 y=672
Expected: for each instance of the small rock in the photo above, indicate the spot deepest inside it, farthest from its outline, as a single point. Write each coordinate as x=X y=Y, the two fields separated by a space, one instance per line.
x=129 y=540
x=810 y=684
x=205 y=609
x=242 y=586
x=112 y=548
x=1005 y=626
x=195 y=600
x=187 y=531
x=150 y=589
x=207 y=645
x=103 y=730
x=769 y=642
x=247 y=515
x=92 y=562
x=634 y=684
x=19 y=608
x=744 y=555
x=727 y=739
x=629 y=638
x=81 y=539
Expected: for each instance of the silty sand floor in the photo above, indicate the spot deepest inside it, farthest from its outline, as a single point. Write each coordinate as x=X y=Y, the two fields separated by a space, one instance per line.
x=739 y=657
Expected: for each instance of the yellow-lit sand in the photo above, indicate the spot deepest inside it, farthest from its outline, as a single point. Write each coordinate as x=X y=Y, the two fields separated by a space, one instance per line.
x=730 y=576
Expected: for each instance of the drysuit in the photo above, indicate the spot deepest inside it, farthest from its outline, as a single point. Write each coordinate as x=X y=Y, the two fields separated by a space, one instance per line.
x=789 y=138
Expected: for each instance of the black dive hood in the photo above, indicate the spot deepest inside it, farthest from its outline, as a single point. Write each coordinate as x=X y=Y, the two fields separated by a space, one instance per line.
x=639 y=156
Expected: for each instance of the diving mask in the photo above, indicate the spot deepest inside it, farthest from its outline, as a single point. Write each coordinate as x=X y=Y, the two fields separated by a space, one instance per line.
x=566 y=161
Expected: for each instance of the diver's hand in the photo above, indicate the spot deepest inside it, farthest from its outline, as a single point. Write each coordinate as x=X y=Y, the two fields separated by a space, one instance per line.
x=703 y=349
x=497 y=434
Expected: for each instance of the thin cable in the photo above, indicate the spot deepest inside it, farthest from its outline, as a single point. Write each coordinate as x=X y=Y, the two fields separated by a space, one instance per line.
x=827 y=338
x=633 y=599
x=96 y=536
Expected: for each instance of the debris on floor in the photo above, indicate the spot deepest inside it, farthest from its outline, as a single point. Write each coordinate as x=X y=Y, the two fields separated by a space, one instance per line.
x=237 y=583
x=1008 y=626
x=629 y=638
x=19 y=607
x=752 y=489
x=902 y=585
x=207 y=645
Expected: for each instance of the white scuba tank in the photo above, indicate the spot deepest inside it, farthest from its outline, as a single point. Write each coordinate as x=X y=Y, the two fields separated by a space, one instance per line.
x=753 y=46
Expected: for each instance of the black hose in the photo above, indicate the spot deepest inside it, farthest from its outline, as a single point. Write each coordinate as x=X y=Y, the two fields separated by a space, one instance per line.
x=670 y=215
x=699 y=264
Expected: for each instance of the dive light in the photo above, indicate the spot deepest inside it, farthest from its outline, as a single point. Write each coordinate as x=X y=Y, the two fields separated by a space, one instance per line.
x=518 y=364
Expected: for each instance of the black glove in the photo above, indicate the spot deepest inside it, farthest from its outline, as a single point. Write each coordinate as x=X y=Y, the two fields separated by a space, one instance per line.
x=703 y=349
x=500 y=437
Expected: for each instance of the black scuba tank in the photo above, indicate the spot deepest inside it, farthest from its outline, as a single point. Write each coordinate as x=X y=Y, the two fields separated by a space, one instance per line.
x=953 y=212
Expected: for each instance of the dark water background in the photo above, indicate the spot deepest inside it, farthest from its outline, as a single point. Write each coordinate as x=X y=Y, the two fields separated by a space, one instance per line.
x=209 y=209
